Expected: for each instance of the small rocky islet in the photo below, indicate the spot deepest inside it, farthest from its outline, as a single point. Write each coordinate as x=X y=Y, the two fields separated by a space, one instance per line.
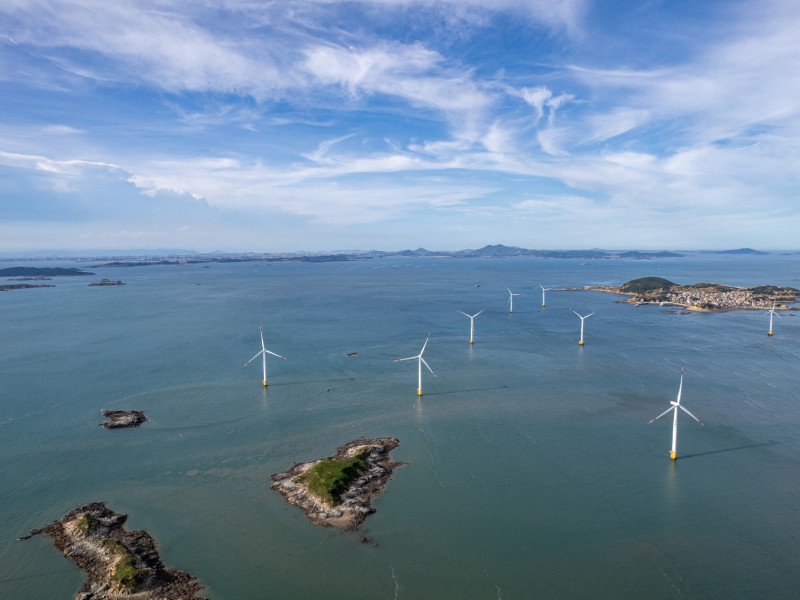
x=119 y=564
x=365 y=469
x=119 y=419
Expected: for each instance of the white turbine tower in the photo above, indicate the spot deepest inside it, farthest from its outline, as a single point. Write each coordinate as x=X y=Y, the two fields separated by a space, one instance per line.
x=471 y=322
x=511 y=299
x=772 y=312
x=421 y=362
x=263 y=353
x=676 y=404
x=582 y=319
x=544 y=289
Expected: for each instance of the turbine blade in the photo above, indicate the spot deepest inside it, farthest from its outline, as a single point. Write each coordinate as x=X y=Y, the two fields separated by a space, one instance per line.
x=252 y=359
x=479 y=312
x=262 y=337
x=684 y=409
x=463 y=313
x=661 y=415
x=425 y=344
x=427 y=365
x=278 y=355
x=409 y=358
x=589 y=315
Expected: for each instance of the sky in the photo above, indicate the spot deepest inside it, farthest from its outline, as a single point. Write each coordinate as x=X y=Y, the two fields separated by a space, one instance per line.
x=314 y=125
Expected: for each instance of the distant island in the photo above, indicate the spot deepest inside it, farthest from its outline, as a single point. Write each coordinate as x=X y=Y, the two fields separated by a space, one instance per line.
x=702 y=296
x=4 y=287
x=118 y=563
x=104 y=282
x=42 y=272
x=338 y=491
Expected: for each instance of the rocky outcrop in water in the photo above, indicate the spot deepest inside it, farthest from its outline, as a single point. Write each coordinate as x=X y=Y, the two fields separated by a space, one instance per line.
x=119 y=564
x=118 y=419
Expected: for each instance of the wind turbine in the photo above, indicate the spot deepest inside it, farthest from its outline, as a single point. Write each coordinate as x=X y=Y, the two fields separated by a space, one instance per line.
x=676 y=404
x=471 y=322
x=421 y=362
x=582 y=318
x=511 y=299
x=772 y=312
x=263 y=353
x=544 y=289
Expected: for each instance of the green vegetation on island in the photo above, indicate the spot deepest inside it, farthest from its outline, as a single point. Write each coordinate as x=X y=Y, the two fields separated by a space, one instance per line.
x=330 y=478
x=126 y=574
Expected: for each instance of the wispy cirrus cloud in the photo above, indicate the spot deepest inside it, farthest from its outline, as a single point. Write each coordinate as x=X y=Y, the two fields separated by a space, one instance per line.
x=365 y=112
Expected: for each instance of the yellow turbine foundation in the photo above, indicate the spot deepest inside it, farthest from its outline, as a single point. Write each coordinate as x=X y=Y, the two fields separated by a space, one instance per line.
x=769 y=333
x=673 y=455
x=471 y=342
x=419 y=392
x=265 y=383
x=580 y=343
x=542 y=305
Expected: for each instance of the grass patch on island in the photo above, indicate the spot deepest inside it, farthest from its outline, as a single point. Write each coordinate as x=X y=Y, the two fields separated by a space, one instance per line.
x=88 y=524
x=330 y=478
x=125 y=572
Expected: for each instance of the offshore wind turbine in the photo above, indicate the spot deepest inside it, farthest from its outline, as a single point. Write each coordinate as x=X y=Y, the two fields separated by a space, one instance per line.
x=471 y=322
x=544 y=289
x=676 y=404
x=582 y=319
x=263 y=353
x=421 y=362
x=772 y=312
x=511 y=299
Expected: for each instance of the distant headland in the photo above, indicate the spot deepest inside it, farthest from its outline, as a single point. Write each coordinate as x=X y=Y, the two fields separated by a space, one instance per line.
x=338 y=491
x=118 y=563
x=702 y=296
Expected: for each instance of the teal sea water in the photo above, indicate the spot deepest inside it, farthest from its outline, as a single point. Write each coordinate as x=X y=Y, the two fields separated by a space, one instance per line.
x=531 y=472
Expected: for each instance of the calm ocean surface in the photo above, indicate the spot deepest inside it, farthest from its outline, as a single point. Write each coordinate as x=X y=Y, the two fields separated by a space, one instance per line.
x=531 y=472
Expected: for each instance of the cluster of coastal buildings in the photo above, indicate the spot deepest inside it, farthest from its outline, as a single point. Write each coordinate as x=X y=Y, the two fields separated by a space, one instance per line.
x=734 y=299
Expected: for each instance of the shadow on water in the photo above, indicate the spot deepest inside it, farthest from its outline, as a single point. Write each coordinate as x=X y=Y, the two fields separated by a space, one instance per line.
x=486 y=389
x=761 y=445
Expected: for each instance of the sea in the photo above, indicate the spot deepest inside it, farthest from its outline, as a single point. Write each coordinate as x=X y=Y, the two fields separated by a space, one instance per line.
x=531 y=470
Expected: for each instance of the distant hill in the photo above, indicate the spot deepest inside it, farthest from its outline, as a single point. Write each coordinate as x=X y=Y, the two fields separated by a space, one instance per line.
x=645 y=285
x=737 y=251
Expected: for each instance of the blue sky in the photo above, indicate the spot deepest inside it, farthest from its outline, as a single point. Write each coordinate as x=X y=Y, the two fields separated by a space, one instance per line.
x=247 y=125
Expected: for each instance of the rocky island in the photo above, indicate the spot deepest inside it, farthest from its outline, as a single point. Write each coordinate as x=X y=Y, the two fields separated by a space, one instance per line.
x=118 y=419
x=338 y=491
x=119 y=564
x=104 y=282
x=702 y=296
